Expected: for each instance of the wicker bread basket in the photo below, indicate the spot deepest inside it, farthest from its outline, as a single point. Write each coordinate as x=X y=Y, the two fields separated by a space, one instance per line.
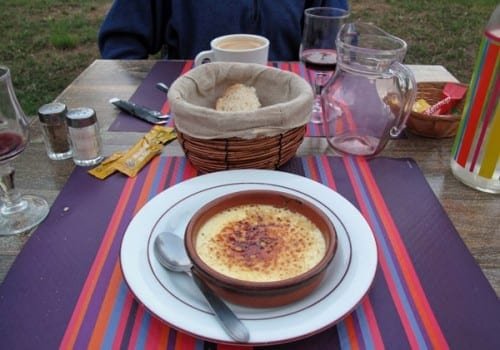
x=440 y=126
x=264 y=139
x=235 y=153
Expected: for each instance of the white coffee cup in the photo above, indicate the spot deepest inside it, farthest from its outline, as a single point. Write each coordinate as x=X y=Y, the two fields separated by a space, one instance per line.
x=245 y=48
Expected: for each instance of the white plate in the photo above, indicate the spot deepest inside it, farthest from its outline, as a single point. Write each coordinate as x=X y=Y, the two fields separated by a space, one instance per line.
x=173 y=297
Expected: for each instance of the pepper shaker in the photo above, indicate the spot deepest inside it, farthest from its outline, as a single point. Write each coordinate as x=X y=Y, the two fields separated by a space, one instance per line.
x=52 y=118
x=84 y=136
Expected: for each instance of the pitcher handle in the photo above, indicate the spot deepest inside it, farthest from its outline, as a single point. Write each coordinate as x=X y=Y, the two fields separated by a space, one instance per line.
x=408 y=87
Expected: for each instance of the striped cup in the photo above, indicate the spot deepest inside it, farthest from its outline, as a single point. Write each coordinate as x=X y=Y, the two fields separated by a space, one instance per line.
x=475 y=156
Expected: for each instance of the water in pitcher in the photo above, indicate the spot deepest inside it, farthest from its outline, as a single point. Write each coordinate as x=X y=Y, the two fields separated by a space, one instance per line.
x=475 y=157
x=362 y=125
x=369 y=98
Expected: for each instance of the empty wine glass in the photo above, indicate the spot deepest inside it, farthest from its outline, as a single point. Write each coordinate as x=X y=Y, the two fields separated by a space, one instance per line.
x=18 y=213
x=317 y=49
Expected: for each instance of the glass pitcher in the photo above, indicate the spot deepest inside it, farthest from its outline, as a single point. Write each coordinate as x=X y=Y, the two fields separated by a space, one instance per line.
x=370 y=96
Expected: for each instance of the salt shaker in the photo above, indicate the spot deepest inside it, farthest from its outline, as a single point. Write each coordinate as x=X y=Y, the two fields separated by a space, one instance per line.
x=52 y=118
x=84 y=136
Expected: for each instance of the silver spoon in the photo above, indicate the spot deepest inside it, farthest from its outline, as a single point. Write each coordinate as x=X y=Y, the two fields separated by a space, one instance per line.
x=170 y=252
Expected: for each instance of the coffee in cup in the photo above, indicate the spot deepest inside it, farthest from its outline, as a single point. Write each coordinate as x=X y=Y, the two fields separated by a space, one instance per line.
x=245 y=48
x=240 y=43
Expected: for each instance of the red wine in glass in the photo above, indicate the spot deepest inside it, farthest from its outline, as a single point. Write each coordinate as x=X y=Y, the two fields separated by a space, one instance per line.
x=321 y=60
x=322 y=63
x=11 y=144
x=318 y=50
x=19 y=213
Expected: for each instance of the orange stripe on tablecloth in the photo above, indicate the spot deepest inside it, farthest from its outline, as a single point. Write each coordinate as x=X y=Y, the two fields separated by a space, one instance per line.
x=382 y=261
x=184 y=341
x=373 y=324
x=187 y=66
x=163 y=334
x=81 y=306
x=157 y=332
x=408 y=271
x=351 y=332
x=146 y=188
x=101 y=325
x=313 y=169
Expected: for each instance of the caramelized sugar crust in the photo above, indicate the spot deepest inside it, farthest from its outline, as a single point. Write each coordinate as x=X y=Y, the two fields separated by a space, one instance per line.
x=260 y=243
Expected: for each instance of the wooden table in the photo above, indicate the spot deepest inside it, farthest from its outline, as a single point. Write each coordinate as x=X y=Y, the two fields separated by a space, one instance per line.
x=476 y=215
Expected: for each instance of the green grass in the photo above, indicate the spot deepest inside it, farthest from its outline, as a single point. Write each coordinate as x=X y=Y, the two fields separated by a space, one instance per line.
x=47 y=43
x=446 y=32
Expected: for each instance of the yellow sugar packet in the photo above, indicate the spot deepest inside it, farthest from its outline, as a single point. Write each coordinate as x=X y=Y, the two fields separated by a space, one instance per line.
x=160 y=134
x=144 y=150
x=138 y=156
x=130 y=162
x=106 y=167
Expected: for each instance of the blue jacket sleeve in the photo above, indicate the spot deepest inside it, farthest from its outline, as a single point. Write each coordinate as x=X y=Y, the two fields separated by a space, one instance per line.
x=133 y=29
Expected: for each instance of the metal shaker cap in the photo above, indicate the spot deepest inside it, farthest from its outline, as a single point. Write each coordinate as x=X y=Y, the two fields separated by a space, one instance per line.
x=80 y=117
x=52 y=113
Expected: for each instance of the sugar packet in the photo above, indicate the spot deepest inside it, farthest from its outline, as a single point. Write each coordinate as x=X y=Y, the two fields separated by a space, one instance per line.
x=130 y=162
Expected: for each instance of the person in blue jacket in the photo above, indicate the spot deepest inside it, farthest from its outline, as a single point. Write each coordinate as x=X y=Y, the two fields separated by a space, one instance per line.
x=135 y=29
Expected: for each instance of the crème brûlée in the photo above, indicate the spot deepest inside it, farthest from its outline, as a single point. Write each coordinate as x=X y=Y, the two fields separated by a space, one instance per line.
x=260 y=243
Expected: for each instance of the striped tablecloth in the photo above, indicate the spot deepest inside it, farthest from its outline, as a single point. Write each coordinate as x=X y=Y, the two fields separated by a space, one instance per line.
x=66 y=288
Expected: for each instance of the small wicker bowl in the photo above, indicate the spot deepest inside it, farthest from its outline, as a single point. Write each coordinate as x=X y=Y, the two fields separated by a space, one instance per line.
x=440 y=126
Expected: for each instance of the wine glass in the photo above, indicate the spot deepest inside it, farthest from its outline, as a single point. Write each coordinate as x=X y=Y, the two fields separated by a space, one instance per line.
x=18 y=213
x=317 y=49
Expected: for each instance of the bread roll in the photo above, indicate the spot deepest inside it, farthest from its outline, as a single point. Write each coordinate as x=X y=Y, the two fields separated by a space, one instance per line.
x=238 y=98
